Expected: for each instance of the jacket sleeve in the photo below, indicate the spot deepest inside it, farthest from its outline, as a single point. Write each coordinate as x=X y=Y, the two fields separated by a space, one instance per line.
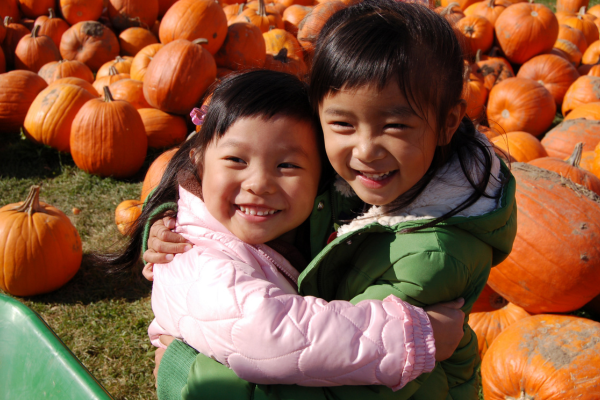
x=267 y=336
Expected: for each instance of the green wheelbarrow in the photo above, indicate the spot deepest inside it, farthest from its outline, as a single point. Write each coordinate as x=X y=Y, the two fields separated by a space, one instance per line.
x=35 y=364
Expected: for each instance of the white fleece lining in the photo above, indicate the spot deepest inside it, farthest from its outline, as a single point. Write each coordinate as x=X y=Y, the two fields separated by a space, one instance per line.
x=444 y=193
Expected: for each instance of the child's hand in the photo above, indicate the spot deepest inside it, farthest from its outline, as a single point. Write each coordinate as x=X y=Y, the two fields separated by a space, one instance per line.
x=447 y=322
x=163 y=244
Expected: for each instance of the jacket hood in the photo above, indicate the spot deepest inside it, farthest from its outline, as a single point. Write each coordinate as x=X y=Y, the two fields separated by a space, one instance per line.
x=491 y=219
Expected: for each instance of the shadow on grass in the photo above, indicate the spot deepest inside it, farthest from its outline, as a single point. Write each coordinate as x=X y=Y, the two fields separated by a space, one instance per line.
x=92 y=284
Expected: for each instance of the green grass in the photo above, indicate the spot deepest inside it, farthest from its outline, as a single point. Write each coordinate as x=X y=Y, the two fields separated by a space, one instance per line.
x=102 y=318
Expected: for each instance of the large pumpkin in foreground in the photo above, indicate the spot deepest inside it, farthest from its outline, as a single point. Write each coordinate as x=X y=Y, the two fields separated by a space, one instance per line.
x=108 y=138
x=554 y=265
x=544 y=357
x=40 y=248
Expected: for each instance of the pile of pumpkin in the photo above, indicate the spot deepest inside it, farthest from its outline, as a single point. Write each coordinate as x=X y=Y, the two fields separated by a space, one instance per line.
x=106 y=78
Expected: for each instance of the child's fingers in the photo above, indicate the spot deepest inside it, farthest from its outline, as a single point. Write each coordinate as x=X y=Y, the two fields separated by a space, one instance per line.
x=148 y=271
x=169 y=222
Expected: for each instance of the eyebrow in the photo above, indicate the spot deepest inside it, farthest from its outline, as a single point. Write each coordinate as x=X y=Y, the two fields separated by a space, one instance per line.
x=401 y=111
x=282 y=149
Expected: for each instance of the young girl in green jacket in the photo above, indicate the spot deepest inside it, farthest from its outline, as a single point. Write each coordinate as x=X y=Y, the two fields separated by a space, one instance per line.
x=387 y=79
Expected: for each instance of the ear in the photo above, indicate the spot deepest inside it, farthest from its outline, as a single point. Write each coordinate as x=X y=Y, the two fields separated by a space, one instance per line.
x=453 y=121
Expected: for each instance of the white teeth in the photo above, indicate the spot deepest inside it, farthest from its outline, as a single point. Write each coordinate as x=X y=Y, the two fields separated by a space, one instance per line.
x=242 y=209
x=261 y=213
x=377 y=177
x=248 y=211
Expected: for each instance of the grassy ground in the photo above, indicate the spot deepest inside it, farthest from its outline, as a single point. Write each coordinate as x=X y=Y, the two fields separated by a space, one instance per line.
x=103 y=319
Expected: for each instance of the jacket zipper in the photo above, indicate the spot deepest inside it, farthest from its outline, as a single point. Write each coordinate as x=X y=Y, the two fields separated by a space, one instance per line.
x=279 y=267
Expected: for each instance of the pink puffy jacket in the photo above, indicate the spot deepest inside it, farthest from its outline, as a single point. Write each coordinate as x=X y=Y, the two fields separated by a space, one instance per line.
x=238 y=304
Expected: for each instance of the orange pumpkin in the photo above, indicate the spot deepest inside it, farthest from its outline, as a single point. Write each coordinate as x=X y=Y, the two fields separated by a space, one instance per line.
x=311 y=25
x=544 y=357
x=179 y=75
x=2 y=62
x=131 y=91
x=589 y=29
x=594 y=71
x=561 y=140
x=132 y=40
x=587 y=111
x=572 y=6
x=163 y=130
x=478 y=33
x=51 y=115
x=277 y=39
x=521 y=146
x=525 y=30
x=489 y=9
x=34 y=51
x=569 y=51
x=488 y=300
x=142 y=59
x=281 y=62
x=452 y=12
x=519 y=104
x=35 y=8
x=9 y=8
x=89 y=42
x=591 y=55
x=292 y=16
x=19 y=90
x=488 y=325
x=573 y=35
x=463 y=4
x=126 y=215
x=113 y=76
x=260 y=17
x=41 y=247
x=121 y=64
x=590 y=161
x=13 y=34
x=554 y=265
x=56 y=70
x=493 y=69
x=155 y=172
x=570 y=169
x=195 y=19
x=554 y=73
x=75 y=11
x=244 y=48
x=475 y=94
x=71 y=80
x=52 y=26
x=586 y=89
x=125 y=14
x=108 y=138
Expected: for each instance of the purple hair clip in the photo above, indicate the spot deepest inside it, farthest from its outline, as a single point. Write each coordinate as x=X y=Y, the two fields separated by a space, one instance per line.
x=198 y=115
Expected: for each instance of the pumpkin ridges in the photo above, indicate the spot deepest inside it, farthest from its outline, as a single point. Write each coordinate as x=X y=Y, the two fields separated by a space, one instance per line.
x=75 y=11
x=568 y=133
x=89 y=42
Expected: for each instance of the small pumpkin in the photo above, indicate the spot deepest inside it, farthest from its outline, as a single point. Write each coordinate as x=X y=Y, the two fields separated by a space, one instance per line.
x=142 y=59
x=179 y=75
x=126 y=215
x=277 y=39
x=478 y=33
x=163 y=130
x=89 y=42
x=521 y=146
x=56 y=70
x=525 y=30
x=260 y=17
x=51 y=115
x=133 y=39
x=494 y=69
x=574 y=36
x=113 y=76
x=244 y=48
x=13 y=34
x=121 y=64
x=125 y=14
x=520 y=104
x=292 y=16
x=19 y=90
x=34 y=51
x=155 y=172
x=115 y=147
x=75 y=11
x=131 y=91
x=586 y=89
x=52 y=26
x=570 y=169
x=41 y=247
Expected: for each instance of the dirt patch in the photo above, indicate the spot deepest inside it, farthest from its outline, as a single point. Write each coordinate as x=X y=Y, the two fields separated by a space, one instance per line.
x=92 y=28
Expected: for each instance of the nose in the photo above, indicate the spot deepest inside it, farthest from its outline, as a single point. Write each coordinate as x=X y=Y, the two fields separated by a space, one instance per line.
x=367 y=148
x=259 y=182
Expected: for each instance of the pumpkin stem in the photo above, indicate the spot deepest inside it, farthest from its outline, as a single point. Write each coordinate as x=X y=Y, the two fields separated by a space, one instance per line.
x=449 y=8
x=478 y=56
x=7 y=20
x=200 y=41
x=581 y=12
x=51 y=13
x=241 y=8
x=112 y=70
x=108 y=95
x=119 y=59
x=575 y=158
x=31 y=205
x=282 y=55
x=35 y=30
x=491 y=4
x=262 y=9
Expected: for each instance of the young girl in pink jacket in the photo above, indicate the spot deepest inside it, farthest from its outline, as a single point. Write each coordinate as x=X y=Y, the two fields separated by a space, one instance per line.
x=246 y=180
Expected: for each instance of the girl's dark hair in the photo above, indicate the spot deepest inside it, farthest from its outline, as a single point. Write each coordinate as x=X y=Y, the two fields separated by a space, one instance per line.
x=381 y=42
x=258 y=93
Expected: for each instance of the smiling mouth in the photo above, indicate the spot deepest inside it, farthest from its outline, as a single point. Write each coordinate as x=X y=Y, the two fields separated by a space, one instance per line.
x=260 y=211
x=377 y=177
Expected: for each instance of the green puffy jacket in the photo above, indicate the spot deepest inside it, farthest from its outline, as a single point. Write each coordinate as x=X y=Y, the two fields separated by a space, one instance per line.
x=450 y=260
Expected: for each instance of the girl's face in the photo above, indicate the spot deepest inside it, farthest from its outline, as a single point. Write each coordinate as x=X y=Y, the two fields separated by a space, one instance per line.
x=377 y=143
x=260 y=179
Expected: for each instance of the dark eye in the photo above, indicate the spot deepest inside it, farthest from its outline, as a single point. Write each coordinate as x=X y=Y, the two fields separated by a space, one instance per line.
x=342 y=124
x=396 y=126
x=236 y=160
x=287 y=165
